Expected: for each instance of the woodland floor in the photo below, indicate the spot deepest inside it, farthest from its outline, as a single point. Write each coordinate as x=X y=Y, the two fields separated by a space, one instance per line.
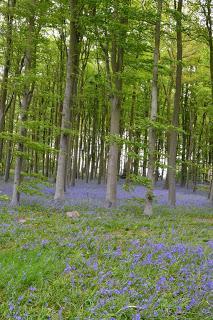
x=106 y=264
x=92 y=195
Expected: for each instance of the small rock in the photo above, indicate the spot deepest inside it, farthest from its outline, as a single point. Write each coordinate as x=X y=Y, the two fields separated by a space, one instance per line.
x=73 y=214
x=22 y=220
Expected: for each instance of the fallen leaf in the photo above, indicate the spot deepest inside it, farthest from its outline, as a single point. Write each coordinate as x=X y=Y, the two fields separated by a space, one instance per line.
x=73 y=214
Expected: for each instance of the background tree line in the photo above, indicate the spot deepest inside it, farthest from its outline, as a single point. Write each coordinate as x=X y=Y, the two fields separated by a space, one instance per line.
x=96 y=89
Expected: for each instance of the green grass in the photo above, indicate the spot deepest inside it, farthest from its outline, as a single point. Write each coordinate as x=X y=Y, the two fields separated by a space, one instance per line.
x=36 y=252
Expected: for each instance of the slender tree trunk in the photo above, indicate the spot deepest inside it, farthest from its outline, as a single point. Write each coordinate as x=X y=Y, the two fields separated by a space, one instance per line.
x=64 y=139
x=177 y=102
x=145 y=155
x=153 y=117
x=94 y=136
x=69 y=101
x=7 y=65
x=113 y=153
x=211 y=191
x=101 y=162
x=131 y=124
x=184 y=136
x=137 y=152
x=168 y=94
x=75 y=154
x=10 y=143
x=207 y=10
x=83 y=153
x=112 y=171
x=80 y=159
x=88 y=154
x=117 y=56
x=191 y=145
x=29 y=63
x=198 y=153
x=158 y=158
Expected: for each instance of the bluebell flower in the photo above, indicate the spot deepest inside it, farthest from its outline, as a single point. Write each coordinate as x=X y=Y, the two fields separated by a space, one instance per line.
x=95 y=265
x=44 y=242
x=11 y=307
x=32 y=289
x=136 y=317
x=20 y=298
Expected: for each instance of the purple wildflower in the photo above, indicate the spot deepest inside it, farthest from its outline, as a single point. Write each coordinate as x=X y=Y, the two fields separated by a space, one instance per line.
x=11 y=307
x=136 y=317
x=60 y=315
x=32 y=289
x=95 y=265
x=20 y=298
x=44 y=242
x=210 y=244
x=68 y=268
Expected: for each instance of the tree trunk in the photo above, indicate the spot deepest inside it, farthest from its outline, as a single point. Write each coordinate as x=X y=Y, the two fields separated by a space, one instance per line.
x=75 y=154
x=177 y=102
x=184 y=136
x=198 y=153
x=94 y=136
x=10 y=143
x=207 y=10
x=131 y=124
x=29 y=63
x=113 y=152
x=148 y=210
x=8 y=56
x=191 y=145
x=69 y=102
x=168 y=94
x=101 y=162
x=117 y=56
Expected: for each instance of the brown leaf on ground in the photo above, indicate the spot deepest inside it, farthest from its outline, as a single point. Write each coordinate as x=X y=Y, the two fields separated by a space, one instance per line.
x=73 y=214
x=21 y=220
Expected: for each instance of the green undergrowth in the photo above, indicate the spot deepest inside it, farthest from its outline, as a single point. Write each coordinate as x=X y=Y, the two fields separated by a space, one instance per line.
x=55 y=267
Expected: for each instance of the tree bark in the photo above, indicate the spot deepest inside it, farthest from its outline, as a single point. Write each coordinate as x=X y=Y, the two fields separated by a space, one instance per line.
x=131 y=124
x=7 y=65
x=69 y=101
x=177 y=102
x=148 y=210
x=117 y=56
x=207 y=10
x=184 y=136
x=10 y=143
x=29 y=64
x=113 y=152
x=198 y=153
x=102 y=144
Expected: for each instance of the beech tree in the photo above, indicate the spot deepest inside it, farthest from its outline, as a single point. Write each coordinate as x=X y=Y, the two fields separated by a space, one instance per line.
x=117 y=65
x=4 y=105
x=28 y=88
x=153 y=115
x=207 y=11
x=69 y=99
x=173 y=138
